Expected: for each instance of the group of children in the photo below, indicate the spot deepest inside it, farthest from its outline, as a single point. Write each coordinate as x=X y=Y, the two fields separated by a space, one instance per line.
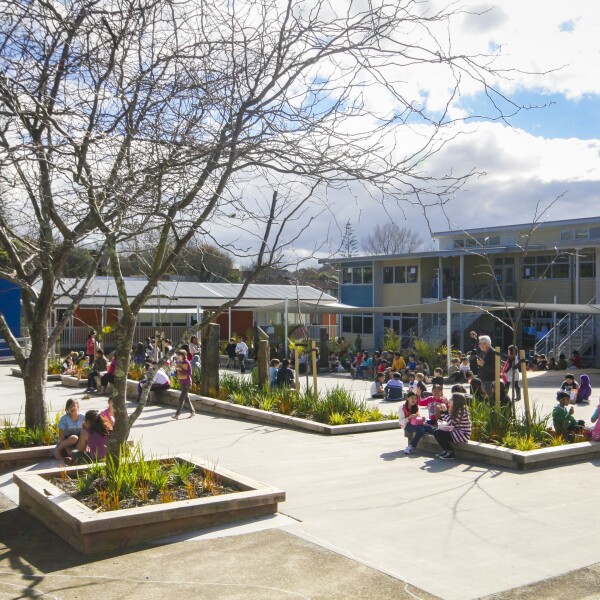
x=448 y=419
x=83 y=438
x=573 y=392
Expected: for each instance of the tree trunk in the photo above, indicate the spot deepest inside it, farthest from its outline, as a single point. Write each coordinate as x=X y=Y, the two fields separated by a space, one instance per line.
x=34 y=375
x=209 y=364
x=263 y=364
x=124 y=335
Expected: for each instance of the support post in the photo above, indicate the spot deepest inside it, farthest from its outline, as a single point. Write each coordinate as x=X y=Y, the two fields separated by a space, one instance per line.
x=554 y=332
x=461 y=292
x=229 y=326
x=448 y=331
x=263 y=364
x=313 y=355
x=296 y=370
x=525 y=385
x=209 y=361
x=497 y=376
x=285 y=331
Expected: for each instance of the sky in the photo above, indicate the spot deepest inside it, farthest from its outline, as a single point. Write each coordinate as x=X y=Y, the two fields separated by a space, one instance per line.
x=549 y=152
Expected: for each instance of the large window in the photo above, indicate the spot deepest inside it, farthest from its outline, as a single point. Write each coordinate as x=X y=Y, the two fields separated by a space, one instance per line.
x=357 y=275
x=582 y=233
x=401 y=274
x=357 y=324
x=558 y=267
x=479 y=242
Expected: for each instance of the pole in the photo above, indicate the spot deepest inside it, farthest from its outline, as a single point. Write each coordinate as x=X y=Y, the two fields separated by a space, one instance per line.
x=497 y=376
x=313 y=352
x=525 y=386
x=229 y=311
x=285 y=330
x=448 y=331
x=296 y=370
x=554 y=330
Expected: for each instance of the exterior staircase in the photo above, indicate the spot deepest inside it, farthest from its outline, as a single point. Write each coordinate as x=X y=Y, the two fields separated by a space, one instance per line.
x=566 y=337
x=436 y=332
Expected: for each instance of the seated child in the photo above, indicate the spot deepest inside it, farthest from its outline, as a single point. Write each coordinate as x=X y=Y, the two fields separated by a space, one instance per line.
x=408 y=411
x=394 y=390
x=411 y=365
x=438 y=377
x=571 y=386
x=377 y=390
x=562 y=363
x=69 y=429
x=93 y=439
x=585 y=389
x=431 y=402
x=273 y=371
x=465 y=366
x=564 y=422
x=596 y=430
x=420 y=387
x=477 y=391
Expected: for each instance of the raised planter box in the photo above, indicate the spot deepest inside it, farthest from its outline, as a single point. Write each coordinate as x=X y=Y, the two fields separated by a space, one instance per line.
x=91 y=532
x=70 y=381
x=236 y=411
x=13 y=459
x=516 y=459
x=17 y=373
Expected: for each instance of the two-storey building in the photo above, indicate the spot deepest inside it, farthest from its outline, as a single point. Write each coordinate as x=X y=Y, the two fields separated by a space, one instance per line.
x=545 y=263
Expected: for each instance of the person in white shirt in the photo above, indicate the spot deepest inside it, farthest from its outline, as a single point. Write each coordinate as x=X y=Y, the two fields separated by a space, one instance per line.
x=241 y=351
x=161 y=381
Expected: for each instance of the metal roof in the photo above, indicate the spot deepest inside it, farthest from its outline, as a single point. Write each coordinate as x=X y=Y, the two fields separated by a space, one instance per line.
x=186 y=294
x=563 y=223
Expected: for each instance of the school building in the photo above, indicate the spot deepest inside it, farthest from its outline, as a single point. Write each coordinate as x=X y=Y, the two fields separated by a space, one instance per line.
x=547 y=270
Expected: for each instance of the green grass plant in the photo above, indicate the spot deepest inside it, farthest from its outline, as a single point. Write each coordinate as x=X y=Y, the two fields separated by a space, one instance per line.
x=16 y=436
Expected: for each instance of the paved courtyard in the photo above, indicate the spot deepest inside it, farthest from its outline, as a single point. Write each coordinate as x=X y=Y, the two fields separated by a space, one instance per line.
x=360 y=519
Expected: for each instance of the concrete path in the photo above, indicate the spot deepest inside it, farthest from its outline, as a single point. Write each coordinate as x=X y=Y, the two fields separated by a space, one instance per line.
x=454 y=530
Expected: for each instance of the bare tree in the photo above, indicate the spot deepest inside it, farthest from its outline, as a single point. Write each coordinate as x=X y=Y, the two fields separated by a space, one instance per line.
x=391 y=239
x=129 y=117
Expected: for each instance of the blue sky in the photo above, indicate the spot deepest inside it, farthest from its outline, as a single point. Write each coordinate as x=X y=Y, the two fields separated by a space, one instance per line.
x=552 y=115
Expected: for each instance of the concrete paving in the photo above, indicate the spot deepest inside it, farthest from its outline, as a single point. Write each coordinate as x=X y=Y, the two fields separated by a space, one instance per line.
x=454 y=530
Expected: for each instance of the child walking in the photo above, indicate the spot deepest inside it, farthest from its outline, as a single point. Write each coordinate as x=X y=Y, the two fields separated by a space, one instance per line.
x=184 y=377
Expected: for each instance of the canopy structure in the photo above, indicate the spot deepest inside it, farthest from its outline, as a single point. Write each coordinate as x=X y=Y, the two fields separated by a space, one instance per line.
x=346 y=309
x=580 y=309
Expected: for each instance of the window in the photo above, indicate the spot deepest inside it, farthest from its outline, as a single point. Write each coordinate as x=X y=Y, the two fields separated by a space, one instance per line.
x=480 y=242
x=400 y=274
x=357 y=324
x=357 y=275
x=582 y=233
x=546 y=267
x=587 y=265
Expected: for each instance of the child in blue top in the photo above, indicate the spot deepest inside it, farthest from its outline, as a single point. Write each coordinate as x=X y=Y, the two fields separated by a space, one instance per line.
x=69 y=429
x=273 y=372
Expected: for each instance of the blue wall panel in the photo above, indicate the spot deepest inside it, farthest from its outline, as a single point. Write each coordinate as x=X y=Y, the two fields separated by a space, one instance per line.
x=10 y=307
x=357 y=295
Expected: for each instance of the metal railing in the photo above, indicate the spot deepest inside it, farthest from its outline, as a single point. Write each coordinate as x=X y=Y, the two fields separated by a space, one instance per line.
x=563 y=338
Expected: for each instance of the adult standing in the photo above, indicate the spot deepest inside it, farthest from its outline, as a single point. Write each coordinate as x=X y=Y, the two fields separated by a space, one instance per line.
x=241 y=352
x=473 y=366
x=183 y=369
x=486 y=361
x=358 y=343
